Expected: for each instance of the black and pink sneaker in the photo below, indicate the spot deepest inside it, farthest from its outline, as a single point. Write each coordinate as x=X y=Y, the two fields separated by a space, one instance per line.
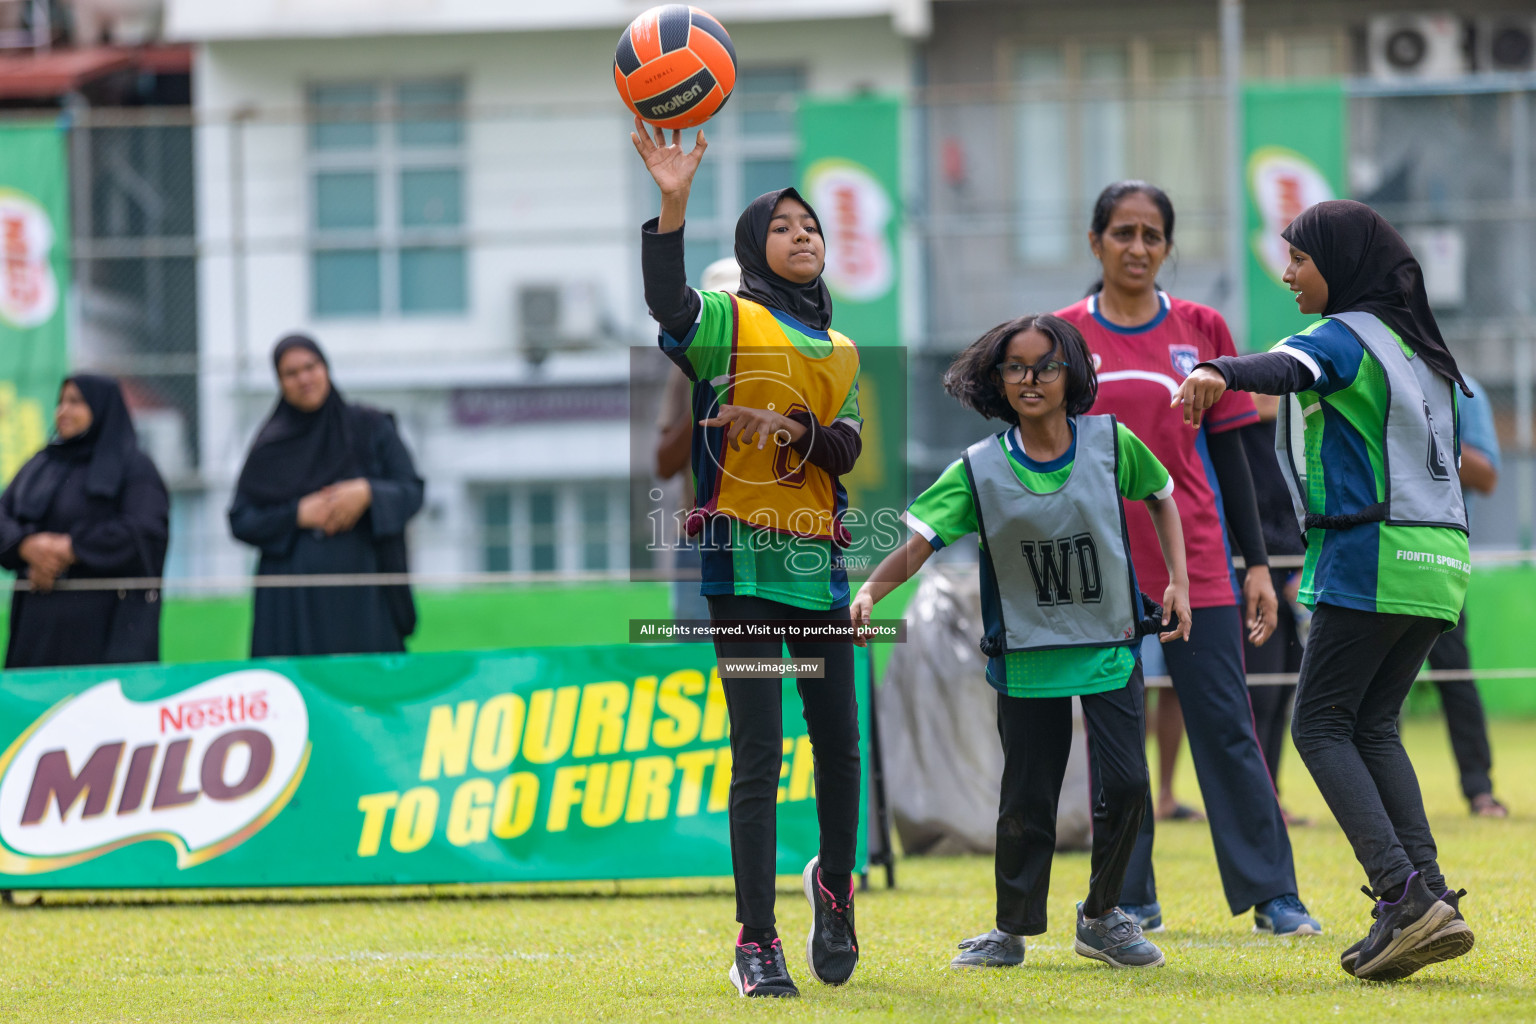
x=760 y=971
x=831 y=948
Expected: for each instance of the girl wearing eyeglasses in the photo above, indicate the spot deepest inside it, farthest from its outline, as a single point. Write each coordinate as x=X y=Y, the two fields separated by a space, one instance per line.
x=1062 y=612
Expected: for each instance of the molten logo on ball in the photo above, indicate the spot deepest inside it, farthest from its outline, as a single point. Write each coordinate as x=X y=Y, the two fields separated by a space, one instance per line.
x=681 y=98
x=203 y=770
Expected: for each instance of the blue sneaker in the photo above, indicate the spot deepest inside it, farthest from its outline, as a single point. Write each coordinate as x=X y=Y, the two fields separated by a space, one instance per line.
x=1149 y=916
x=1285 y=915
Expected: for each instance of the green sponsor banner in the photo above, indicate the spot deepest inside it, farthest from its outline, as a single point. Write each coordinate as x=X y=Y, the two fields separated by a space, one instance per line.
x=34 y=278
x=849 y=170
x=510 y=766
x=1294 y=153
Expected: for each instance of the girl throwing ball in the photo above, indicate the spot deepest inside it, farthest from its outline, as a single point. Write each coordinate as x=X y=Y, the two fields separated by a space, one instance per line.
x=775 y=402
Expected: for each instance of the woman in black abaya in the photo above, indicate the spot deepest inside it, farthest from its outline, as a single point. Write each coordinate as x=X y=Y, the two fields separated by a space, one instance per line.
x=328 y=487
x=90 y=505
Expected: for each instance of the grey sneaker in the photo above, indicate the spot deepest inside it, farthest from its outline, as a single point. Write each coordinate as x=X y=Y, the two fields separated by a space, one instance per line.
x=994 y=949
x=1115 y=939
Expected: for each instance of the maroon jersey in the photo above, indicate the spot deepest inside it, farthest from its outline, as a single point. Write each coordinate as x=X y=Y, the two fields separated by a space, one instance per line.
x=1140 y=369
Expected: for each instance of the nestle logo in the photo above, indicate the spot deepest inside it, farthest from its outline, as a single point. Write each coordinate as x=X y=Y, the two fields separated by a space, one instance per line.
x=207 y=712
x=202 y=770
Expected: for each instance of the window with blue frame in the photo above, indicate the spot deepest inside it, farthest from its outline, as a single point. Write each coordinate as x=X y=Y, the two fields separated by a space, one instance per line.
x=550 y=527
x=387 y=199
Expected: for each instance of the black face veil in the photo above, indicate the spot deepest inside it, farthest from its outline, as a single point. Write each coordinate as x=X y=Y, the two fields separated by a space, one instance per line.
x=810 y=304
x=1369 y=267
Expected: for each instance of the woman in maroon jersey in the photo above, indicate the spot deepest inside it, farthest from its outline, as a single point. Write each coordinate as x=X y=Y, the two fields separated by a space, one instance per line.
x=1144 y=342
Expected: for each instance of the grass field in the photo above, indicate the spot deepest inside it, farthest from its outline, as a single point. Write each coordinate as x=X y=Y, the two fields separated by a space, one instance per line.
x=660 y=950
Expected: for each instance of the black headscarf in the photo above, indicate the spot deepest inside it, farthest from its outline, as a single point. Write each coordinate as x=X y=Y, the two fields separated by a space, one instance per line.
x=1369 y=267
x=297 y=453
x=106 y=446
x=809 y=303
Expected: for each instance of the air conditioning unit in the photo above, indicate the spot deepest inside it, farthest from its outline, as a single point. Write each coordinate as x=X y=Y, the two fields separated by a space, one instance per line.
x=1416 y=47
x=1506 y=43
x=559 y=316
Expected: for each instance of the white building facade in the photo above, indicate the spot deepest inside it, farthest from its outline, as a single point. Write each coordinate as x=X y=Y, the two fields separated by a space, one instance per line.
x=444 y=194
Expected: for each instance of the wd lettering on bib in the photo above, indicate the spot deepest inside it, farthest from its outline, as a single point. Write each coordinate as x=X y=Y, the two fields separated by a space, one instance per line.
x=1050 y=563
x=1072 y=584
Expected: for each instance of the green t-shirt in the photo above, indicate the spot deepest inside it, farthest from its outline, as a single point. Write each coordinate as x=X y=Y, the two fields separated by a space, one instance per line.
x=946 y=512
x=1373 y=567
x=739 y=558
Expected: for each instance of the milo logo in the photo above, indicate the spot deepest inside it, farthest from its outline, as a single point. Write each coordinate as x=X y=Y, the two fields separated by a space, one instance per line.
x=856 y=212
x=1282 y=183
x=203 y=770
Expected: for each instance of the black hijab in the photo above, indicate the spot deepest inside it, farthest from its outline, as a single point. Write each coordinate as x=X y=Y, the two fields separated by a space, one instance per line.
x=808 y=303
x=297 y=453
x=1369 y=267
x=105 y=447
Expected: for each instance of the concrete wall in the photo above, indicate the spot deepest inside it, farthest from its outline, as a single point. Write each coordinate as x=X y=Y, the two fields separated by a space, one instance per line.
x=207 y=20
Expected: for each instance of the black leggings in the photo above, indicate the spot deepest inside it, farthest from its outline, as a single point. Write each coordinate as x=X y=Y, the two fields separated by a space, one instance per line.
x=1357 y=669
x=1037 y=738
x=757 y=750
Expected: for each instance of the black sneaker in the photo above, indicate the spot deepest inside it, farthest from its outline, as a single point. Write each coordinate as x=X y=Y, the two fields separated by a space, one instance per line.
x=1400 y=929
x=994 y=949
x=1452 y=940
x=831 y=948
x=762 y=972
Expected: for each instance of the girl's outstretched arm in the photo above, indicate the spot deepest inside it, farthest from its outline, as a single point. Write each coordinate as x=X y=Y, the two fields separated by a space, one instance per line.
x=1267 y=373
x=1170 y=535
x=673 y=304
x=894 y=570
x=671 y=167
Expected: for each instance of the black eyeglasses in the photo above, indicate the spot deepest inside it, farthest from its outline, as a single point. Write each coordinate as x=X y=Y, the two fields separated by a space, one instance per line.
x=1045 y=371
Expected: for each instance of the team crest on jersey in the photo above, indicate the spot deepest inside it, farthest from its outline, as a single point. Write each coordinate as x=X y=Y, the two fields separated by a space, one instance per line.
x=1184 y=358
x=1098 y=361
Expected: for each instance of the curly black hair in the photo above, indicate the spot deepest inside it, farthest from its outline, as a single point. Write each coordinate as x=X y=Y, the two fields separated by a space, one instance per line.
x=972 y=378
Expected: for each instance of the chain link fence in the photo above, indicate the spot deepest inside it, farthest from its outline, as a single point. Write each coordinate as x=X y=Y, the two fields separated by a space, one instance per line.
x=1003 y=192
x=465 y=266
